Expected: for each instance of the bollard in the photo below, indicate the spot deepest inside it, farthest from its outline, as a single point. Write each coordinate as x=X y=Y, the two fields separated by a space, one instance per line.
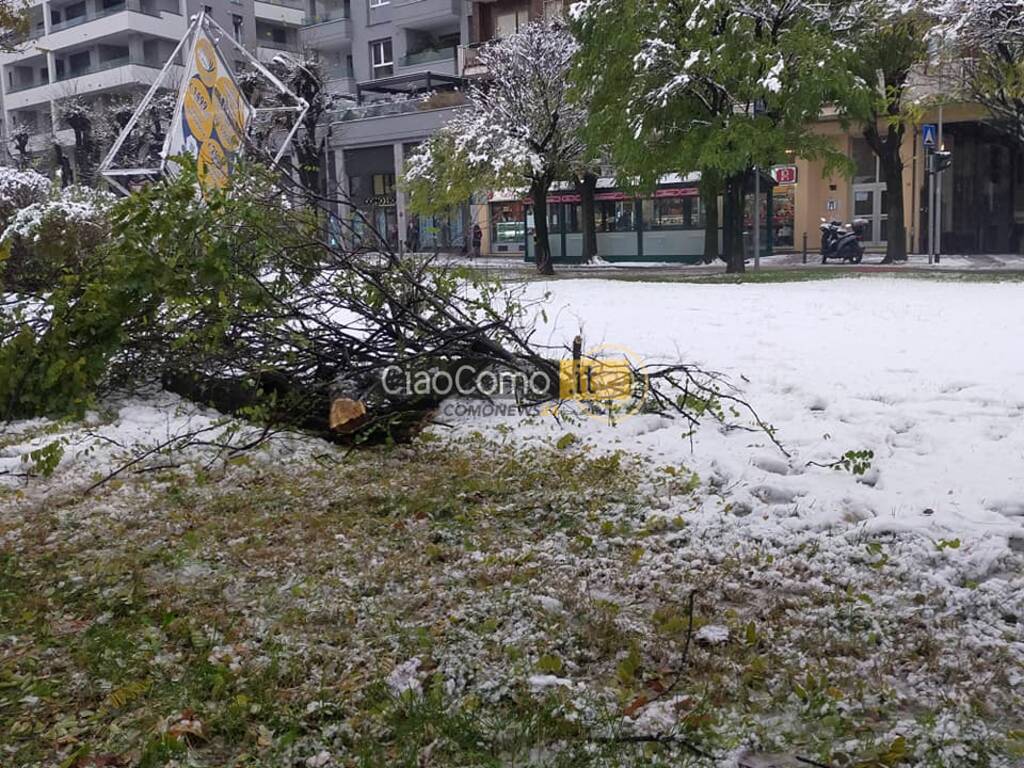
x=805 y=247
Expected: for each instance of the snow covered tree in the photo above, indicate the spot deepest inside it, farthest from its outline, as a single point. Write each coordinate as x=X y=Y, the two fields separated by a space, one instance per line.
x=987 y=39
x=305 y=76
x=81 y=117
x=716 y=86
x=20 y=137
x=523 y=128
x=888 y=42
x=20 y=189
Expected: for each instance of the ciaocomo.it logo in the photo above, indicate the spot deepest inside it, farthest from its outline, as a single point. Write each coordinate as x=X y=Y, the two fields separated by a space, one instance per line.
x=608 y=378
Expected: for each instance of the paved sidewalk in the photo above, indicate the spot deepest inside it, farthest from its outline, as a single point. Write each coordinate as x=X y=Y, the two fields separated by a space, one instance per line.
x=917 y=263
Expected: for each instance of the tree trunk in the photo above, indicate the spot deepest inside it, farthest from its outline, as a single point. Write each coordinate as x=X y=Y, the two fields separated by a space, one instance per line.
x=587 y=188
x=892 y=169
x=734 y=255
x=541 y=244
x=888 y=151
x=710 y=189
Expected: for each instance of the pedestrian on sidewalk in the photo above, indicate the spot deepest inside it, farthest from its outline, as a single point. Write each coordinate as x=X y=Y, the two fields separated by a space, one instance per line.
x=478 y=238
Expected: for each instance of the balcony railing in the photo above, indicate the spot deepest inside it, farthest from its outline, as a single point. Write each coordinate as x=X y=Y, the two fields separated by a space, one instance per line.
x=127 y=5
x=297 y=4
x=427 y=56
x=334 y=14
x=262 y=42
x=447 y=100
x=338 y=72
x=25 y=86
x=103 y=66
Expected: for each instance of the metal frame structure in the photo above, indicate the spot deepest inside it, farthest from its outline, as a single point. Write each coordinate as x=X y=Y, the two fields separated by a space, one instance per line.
x=198 y=22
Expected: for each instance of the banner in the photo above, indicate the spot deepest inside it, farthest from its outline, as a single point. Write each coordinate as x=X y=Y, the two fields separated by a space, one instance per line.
x=212 y=115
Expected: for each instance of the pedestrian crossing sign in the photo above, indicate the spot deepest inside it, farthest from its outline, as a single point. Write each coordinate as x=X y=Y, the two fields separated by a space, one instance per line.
x=930 y=135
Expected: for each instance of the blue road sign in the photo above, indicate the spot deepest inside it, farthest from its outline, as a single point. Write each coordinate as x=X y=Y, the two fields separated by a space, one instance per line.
x=930 y=135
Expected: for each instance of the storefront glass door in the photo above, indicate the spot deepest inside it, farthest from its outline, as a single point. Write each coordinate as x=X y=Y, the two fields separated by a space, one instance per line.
x=870 y=199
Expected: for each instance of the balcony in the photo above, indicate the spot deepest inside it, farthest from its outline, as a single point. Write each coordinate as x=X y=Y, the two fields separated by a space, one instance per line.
x=332 y=32
x=341 y=85
x=413 y=13
x=102 y=76
x=290 y=12
x=126 y=17
x=266 y=50
x=19 y=87
x=439 y=60
x=128 y=5
x=103 y=66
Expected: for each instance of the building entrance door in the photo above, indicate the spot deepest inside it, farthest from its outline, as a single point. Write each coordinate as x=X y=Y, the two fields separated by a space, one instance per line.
x=871 y=203
x=870 y=200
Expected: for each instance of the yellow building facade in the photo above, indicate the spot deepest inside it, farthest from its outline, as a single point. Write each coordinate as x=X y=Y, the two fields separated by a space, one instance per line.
x=982 y=194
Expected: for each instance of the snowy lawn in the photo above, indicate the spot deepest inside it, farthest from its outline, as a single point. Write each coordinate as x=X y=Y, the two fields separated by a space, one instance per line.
x=514 y=597
x=927 y=374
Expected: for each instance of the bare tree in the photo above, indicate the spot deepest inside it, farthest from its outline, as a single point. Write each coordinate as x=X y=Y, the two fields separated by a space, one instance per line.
x=986 y=41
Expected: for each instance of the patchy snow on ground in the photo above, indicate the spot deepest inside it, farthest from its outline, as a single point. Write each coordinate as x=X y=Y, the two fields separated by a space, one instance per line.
x=130 y=434
x=928 y=375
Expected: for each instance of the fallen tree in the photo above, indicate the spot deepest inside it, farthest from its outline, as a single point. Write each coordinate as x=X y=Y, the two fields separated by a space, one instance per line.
x=239 y=298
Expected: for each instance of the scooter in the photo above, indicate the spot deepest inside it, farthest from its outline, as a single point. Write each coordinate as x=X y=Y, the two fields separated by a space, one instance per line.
x=842 y=241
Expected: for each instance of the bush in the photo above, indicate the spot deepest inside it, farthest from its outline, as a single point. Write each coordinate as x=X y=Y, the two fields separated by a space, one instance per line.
x=20 y=189
x=49 y=238
x=158 y=274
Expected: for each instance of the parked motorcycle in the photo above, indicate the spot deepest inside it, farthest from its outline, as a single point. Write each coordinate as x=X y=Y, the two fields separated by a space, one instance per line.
x=842 y=241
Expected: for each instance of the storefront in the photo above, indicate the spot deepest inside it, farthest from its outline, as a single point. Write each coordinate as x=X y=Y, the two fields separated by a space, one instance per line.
x=508 y=224
x=784 y=207
x=667 y=225
x=371 y=188
x=440 y=232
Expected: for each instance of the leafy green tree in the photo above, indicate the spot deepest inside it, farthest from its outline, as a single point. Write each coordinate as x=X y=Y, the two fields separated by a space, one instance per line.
x=716 y=86
x=890 y=42
x=522 y=128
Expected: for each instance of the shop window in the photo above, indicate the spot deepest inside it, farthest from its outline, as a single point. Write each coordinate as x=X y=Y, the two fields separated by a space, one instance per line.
x=675 y=213
x=614 y=216
x=784 y=218
x=507 y=223
x=382 y=61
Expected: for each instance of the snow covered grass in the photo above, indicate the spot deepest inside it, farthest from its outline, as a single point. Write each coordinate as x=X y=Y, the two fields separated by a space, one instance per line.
x=474 y=603
x=486 y=597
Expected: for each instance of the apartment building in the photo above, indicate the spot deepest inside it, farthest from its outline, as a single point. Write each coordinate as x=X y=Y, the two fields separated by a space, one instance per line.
x=405 y=63
x=97 y=50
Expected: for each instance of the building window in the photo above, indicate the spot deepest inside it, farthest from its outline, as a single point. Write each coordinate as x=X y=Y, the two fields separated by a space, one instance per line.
x=508 y=223
x=613 y=215
x=509 y=22
x=865 y=162
x=382 y=62
x=236 y=27
x=673 y=213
